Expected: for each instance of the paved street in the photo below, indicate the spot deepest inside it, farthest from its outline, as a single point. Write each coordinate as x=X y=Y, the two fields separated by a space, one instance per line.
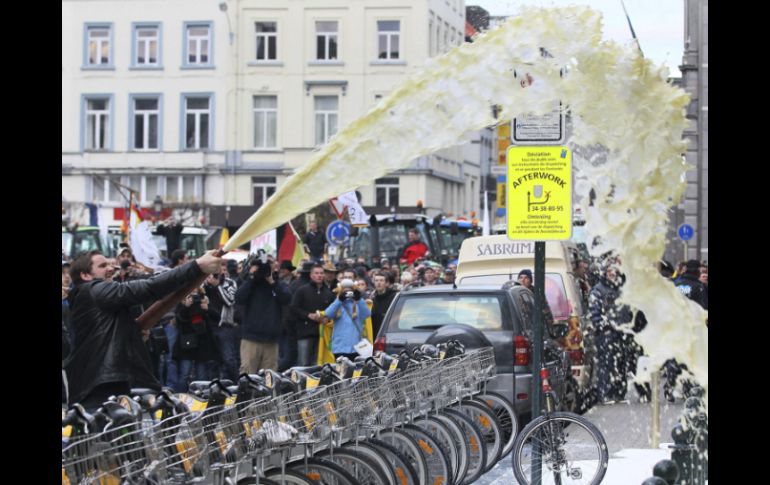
x=626 y=427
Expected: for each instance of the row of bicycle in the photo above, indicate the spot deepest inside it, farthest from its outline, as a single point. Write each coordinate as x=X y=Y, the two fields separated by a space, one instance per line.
x=420 y=417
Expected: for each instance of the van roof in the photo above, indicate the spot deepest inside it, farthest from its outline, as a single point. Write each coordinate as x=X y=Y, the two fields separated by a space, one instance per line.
x=491 y=255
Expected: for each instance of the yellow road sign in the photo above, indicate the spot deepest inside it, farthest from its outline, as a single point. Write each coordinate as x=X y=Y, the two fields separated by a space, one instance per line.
x=539 y=193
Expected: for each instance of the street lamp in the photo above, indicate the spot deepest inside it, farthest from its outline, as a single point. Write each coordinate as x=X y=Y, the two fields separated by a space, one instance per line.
x=157 y=204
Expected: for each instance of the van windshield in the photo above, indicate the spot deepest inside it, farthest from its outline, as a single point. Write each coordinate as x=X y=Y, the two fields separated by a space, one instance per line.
x=555 y=291
x=428 y=312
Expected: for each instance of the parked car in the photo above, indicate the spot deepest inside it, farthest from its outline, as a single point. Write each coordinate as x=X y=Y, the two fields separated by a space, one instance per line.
x=479 y=316
x=497 y=259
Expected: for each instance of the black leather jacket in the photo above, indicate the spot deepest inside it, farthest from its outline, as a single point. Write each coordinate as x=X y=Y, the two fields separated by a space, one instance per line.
x=107 y=342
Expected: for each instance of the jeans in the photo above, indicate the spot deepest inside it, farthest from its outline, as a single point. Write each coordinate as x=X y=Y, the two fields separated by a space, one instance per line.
x=307 y=351
x=611 y=368
x=190 y=370
x=228 y=343
x=287 y=352
x=169 y=374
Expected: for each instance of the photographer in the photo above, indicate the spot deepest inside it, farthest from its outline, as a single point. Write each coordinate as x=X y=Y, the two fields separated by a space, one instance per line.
x=349 y=312
x=262 y=297
x=194 y=347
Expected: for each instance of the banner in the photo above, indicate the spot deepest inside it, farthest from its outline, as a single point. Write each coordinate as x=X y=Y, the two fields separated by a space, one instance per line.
x=144 y=249
x=268 y=242
x=358 y=216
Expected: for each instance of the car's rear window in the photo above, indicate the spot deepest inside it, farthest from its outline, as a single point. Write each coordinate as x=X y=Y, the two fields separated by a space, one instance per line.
x=428 y=312
x=555 y=292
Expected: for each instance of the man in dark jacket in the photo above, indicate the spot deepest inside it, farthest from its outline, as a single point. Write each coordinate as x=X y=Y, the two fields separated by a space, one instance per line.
x=306 y=304
x=262 y=298
x=315 y=243
x=220 y=291
x=109 y=356
x=383 y=297
x=607 y=317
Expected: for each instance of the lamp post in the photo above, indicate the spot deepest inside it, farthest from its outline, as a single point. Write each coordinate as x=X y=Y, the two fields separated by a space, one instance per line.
x=157 y=205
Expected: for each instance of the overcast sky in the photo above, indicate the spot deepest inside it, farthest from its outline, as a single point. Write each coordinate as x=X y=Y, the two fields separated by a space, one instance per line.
x=659 y=24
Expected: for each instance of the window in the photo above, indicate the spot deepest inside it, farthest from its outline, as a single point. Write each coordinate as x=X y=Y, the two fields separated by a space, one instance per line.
x=387 y=192
x=446 y=36
x=429 y=312
x=388 y=32
x=97 y=123
x=98 y=46
x=197 y=47
x=264 y=187
x=171 y=188
x=265 y=121
x=326 y=40
x=146 y=46
x=430 y=35
x=326 y=117
x=145 y=123
x=197 y=116
x=267 y=41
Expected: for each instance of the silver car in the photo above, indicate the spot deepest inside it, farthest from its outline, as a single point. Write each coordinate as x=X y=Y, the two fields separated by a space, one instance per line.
x=478 y=316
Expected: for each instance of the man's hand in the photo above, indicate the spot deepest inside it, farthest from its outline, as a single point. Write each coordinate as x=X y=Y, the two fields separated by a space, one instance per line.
x=205 y=303
x=313 y=316
x=209 y=263
x=269 y=279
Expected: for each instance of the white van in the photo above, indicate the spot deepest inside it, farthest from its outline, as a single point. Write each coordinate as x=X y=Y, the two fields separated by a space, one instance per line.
x=497 y=260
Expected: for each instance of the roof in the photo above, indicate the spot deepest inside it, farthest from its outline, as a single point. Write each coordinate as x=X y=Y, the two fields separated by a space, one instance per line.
x=449 y=289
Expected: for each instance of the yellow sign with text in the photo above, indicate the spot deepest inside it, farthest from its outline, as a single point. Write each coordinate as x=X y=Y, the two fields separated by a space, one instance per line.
x=539 y=193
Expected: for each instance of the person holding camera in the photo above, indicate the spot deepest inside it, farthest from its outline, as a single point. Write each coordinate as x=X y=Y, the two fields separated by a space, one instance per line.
x=262 y=297
x=194 y=347
x=348 y=312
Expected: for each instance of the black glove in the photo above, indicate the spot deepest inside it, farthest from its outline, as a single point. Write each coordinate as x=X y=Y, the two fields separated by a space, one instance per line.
x=341 y=296
x=356 y=295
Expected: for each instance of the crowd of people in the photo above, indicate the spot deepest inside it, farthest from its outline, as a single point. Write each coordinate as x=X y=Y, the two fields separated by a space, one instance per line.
x=248 y=315
x=264 y=313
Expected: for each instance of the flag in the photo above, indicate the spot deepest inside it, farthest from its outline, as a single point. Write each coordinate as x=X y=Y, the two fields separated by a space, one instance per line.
x=224 y=237
x=143 y=247
x=291 y=246
x=356 y=213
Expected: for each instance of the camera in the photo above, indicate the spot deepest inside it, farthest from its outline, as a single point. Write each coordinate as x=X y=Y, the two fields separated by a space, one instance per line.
x=125 y=264
x=196 y=299
x=349 y=295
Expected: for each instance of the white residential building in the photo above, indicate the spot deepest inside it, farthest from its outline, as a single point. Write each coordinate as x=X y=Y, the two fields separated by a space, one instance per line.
x=213 y=104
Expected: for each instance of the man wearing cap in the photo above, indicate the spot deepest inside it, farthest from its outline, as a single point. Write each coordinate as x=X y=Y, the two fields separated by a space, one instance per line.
x=285 y=272
x=306 y=305
x=330 y=276
x=525 y=279
x=449 y=277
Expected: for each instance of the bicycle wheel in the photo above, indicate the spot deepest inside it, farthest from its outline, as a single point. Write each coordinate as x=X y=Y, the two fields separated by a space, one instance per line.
x=475 y=440
x=407 y=445
x=371 y=452
x=262 y=481
x=323 y=472
x=290 y=477
x=405 y=472
x=571 y=449
x=439 y=469
x=507 y=416
x=461 y=441
x=445 y=441
x=364 y=470
x=490 y=427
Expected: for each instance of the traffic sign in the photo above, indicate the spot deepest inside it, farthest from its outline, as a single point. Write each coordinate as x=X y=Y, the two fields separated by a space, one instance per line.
x=685 y=232
x=539 y=192
x=338 y=233
x=539 y=129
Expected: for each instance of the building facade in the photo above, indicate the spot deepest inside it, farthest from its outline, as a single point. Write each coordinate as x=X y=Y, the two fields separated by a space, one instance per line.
x=213 y=105
x=693 y=209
